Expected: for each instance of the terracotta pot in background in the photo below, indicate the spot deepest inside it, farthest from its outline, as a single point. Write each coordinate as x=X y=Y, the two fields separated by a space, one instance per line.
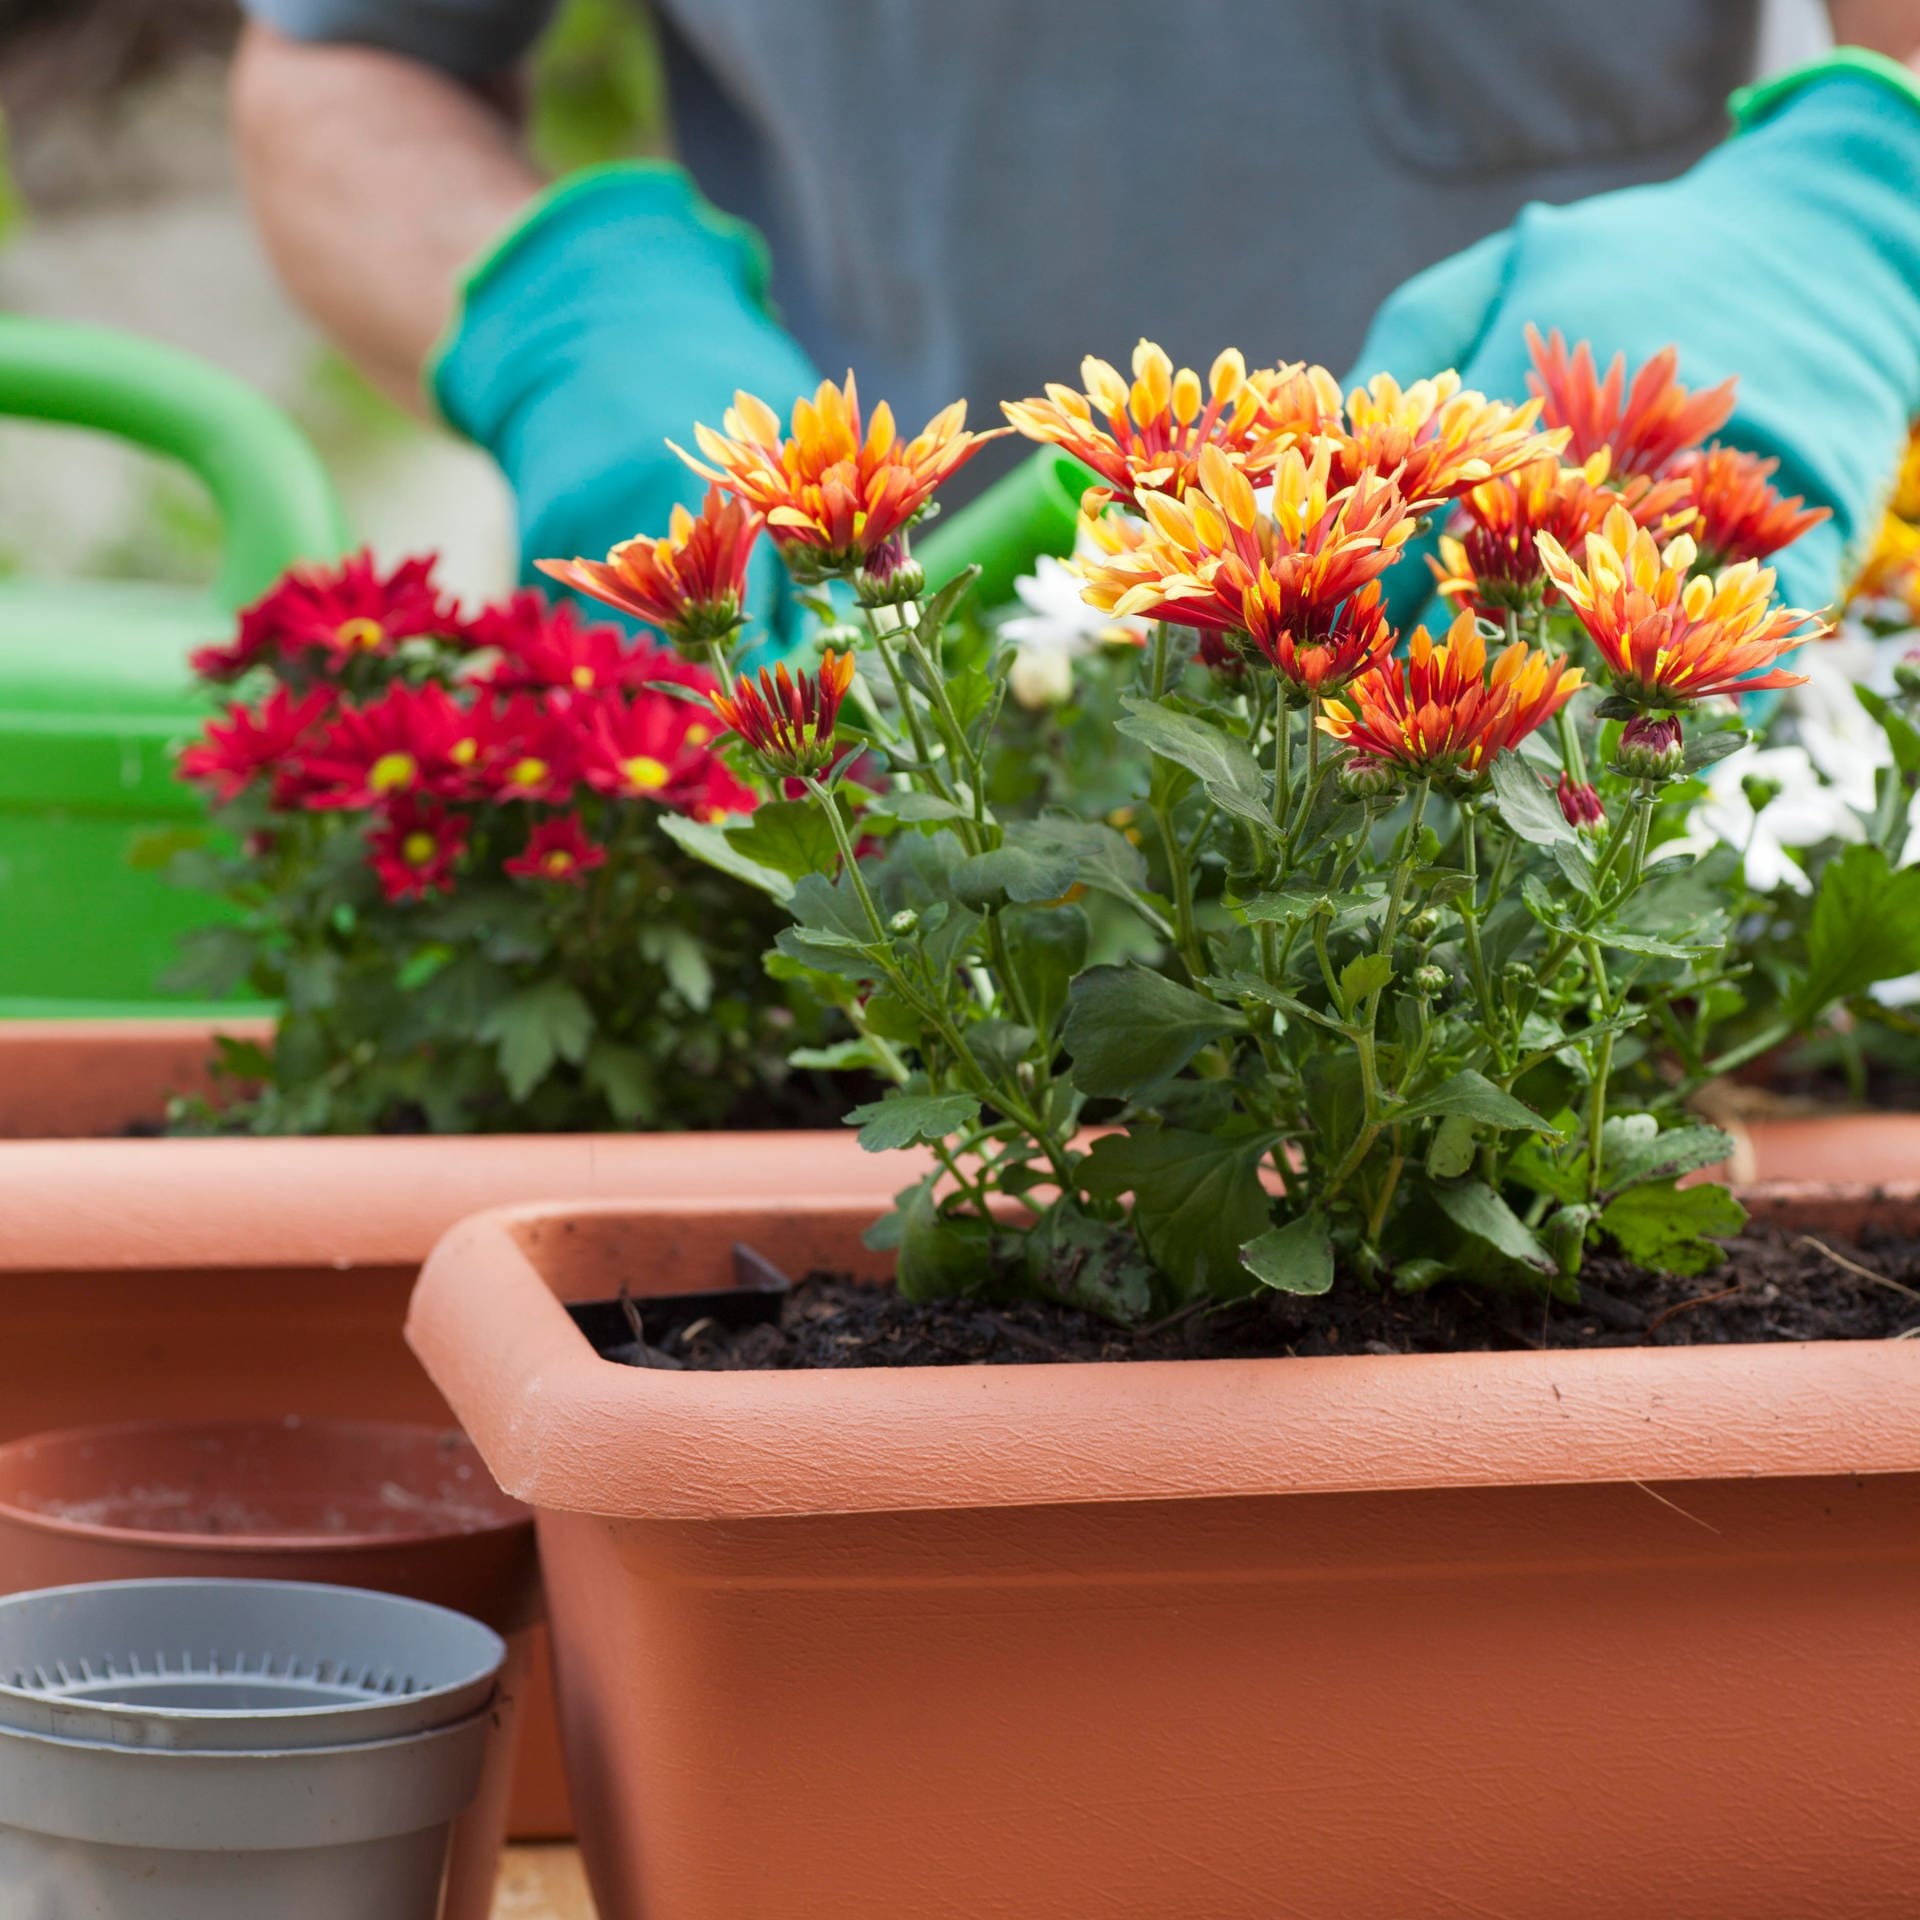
x=250 y=1279
x=1870 y=1149
x=1614 y=1633
x=404 y=1510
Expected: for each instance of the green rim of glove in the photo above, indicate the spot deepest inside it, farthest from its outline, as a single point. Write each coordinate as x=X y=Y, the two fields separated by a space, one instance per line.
x=1753 y=104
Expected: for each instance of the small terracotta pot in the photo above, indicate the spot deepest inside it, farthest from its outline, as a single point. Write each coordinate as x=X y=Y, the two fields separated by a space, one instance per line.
x=1870 y=1149
x=248 y=1279
x=404 y=1510
x=1615 y=1633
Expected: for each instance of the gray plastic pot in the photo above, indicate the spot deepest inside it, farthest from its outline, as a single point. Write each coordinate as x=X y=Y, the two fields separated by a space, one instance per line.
x=234 y=1749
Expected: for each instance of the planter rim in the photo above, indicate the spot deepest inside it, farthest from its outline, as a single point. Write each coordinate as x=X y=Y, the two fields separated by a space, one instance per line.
x=216 y=1546
x=360 y=1201
x=564 y=1430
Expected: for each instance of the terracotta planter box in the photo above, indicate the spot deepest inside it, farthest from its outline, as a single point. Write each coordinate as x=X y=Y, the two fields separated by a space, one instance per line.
x=1615 y=1633
x=243 y=1279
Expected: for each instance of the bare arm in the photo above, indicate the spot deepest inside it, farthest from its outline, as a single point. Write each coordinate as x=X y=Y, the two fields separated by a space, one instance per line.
x=374 y=180
x=1891 y=27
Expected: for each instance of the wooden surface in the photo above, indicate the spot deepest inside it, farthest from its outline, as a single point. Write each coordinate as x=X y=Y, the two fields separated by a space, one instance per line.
x=542 y=1883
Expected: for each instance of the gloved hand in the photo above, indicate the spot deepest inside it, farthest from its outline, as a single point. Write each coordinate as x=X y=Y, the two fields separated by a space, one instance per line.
x=1789 y=256
x=618 y=311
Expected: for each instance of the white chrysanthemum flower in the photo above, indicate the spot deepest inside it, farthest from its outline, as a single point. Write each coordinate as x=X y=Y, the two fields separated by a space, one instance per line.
x=1056 y=628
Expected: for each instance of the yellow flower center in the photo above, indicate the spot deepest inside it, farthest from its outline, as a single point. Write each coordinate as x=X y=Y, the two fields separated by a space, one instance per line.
x=391 y=772
x=644 y=772
x=463 y=752
x=713 y=814
x=583 y=678
x=360 y=635
x=559 y=863
x=526 y=773
x=417 y=849
x=699 y=734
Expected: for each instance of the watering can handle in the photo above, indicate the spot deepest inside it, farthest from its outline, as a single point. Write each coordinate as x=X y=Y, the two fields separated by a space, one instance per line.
x=275 y=500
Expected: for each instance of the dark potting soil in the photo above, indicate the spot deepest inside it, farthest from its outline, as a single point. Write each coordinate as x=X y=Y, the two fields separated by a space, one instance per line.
x=1776 y=1284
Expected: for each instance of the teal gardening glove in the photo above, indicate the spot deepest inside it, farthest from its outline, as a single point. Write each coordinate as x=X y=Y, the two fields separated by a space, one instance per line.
x=1789 y=256
x=616 y=312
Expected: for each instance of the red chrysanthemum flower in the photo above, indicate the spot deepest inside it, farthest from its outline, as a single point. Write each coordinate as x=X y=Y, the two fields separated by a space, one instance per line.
x=1671 y=637
x=834 y=492
x=541 y=644
x=692 y=585
x=788 y=719
x=1740 y=514
x=1580 y=804
x=250 y=741
x=650 y=746
x=406 y=743
x=1440 y=713
x=1640 y=427
x=415 y=848
x=536 y=751
x=334 y=613
x=558 y=850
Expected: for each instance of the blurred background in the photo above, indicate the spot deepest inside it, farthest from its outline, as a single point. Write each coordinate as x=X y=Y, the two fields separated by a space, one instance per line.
x=119 y=206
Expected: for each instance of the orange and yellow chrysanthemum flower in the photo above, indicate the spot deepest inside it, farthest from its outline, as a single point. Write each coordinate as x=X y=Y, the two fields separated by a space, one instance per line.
x=1146 y=435
x=833 y=492
x=1440 y=713
x=1738 y=513
x=788 y=719
x=1890 y=575
x=1294 y=578
x=1435 y=438
x=1642 y=426
x=690 y=584
x=1490 y=562
x=1671 y=637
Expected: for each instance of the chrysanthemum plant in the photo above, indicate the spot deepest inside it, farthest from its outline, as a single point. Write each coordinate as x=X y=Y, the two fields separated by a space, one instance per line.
x=1408 y=989
x=444 y=839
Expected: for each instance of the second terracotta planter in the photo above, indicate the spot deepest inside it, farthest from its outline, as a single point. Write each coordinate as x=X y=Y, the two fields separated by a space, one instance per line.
x=1612 y=1633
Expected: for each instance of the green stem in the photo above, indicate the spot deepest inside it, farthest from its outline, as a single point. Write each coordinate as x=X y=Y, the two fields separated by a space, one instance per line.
x=1643 y=804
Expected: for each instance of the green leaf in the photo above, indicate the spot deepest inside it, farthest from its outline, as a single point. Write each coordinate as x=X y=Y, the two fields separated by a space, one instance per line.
x=1095 y=1265
x=536 y=1028
x=1704 y=750
x=213 y=962
x=1865 y=929
x=1021 y=872
x=1903 y=737
x=786 y=836
x=1197 y=1199
x=1109 y=861
x=1048 y=946
x=1127 y=1028
x=1472 y=1096
x=1367 y=974
x=1635 y=1148
x=1527 y=806
x=910 y=804
x=844 y=1056
x=624 y=1078
x=1478 y=1211
x=1671 y=1229
x=1451 y=1150
x=939 y=1253
x=1222 y=763
x=903 y=1119
x=682 y=956
x=708 y=843
x=1296 y=1258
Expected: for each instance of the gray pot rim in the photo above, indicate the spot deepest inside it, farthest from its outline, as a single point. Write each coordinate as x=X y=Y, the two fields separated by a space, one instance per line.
x=438 y=1666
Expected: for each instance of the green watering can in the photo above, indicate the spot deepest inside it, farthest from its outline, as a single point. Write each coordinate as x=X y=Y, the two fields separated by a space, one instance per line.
x=95 y=691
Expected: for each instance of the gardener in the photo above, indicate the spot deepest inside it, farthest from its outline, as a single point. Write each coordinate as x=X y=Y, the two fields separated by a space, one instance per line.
x=963 y=199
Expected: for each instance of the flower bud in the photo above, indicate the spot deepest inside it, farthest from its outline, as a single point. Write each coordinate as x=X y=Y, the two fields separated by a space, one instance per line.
x=1580 y=804
x=1650 y=747
x=1040 y=677
x=906 y=921
x=1424 y=924
x=1517 y=974
x=890 y=578
x=1367 y=779
x=1429 y=981
x=1906 y=672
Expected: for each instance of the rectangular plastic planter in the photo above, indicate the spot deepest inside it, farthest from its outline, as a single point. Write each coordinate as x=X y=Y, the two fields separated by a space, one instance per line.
x=241 y=1278
x=1611 y=1633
